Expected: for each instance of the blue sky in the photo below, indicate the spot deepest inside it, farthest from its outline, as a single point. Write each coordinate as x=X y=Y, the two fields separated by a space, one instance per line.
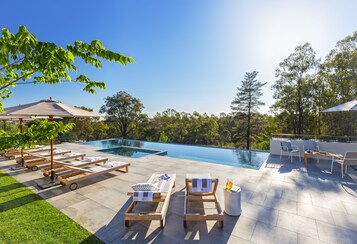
x=190 y=55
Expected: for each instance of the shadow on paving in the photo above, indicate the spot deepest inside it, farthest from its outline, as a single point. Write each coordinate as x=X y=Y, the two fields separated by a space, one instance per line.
x=173 y=231
x=59 y=189
x=317 y=180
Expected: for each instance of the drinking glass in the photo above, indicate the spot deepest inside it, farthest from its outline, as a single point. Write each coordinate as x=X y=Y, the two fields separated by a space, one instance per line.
x=229 y=184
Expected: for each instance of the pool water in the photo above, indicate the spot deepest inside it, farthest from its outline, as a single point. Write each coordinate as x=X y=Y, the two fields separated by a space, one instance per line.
x=131 y=152
x=227 y=156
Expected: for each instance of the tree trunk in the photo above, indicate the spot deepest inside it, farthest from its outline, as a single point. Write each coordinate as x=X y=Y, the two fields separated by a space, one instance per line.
x=248 y=128
x=299 y=108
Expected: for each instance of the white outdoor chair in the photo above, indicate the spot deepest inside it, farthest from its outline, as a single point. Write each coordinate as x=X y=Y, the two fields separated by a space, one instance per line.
x=349 y=159
x=286 y=146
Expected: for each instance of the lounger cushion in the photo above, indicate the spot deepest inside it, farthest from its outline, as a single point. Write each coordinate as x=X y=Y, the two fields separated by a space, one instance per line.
x=145 y=187
x=112 y=164
x=91 y=159
x=201 y=185
x=143 y=196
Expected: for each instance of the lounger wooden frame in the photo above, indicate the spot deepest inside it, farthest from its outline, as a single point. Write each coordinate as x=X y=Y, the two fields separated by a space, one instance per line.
x=202 y=197
x=79 y=174
x=162 y=196
x=61 y=166
x=16 y=153
x=41 y=160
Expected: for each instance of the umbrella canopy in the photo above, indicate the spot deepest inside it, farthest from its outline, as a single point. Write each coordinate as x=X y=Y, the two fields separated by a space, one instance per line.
x=5 y=117
x=51 y=109
x=48 y=108
x=344 y=107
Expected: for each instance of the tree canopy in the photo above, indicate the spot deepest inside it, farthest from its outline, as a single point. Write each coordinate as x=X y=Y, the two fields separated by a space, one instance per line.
x=25 y=60
x=293 y=83
x=123 y=110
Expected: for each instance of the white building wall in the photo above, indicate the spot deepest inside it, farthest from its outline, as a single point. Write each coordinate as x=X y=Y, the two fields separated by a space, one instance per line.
x=333 y=147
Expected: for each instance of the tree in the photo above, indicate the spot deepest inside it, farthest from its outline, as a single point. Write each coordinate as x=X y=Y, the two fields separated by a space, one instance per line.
x=247 y=99
x=292 y=85
x=25 y=60
x=39 y=132
x=339 y=72
x=123 y=111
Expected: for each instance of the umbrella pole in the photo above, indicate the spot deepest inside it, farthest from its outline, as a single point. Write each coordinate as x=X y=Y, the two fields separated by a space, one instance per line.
x=52 y=164
x=22 y=148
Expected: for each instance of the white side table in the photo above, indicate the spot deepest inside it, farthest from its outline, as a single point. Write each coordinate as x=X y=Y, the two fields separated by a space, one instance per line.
x=232 y=202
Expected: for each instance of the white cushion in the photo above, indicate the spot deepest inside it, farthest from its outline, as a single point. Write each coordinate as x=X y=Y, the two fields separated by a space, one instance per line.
x=144 y=187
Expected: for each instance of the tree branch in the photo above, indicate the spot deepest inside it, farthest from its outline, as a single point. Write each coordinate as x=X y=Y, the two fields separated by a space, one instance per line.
x=16 y=62
x=14 y=81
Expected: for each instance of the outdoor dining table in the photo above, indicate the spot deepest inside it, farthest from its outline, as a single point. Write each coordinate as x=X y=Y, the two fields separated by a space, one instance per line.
x=320 y=154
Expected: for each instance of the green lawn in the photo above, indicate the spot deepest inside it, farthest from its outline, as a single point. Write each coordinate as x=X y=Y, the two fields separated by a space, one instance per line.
x=27 y=218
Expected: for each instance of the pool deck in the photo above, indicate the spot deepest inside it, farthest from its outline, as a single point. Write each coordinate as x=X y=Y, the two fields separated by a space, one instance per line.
x=281 y=203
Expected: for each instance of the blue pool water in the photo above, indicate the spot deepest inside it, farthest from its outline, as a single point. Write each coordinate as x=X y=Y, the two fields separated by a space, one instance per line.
x=131 y=152
x=234 y=157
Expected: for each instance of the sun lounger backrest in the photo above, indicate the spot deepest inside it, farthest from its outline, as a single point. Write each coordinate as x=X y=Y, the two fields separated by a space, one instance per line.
x=143 y=196
x=201 y=185
x=189 y=190
x=165 y=185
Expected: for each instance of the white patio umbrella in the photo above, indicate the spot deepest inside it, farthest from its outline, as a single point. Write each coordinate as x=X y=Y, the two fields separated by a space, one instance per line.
x=51 y=109
x=344 y=107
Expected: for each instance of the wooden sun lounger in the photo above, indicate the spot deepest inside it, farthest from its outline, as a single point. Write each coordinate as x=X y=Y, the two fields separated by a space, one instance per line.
x=44 y=158
x=12 y=153
x=80 y=174
x=16 y=153
x=191 y=213
x=61 y=166
x=163 y=195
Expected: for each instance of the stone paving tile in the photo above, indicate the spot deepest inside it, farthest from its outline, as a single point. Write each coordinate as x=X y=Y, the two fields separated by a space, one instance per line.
x=275 y=192
x=243 y=227
x=257 y=212
x=265 y=233
x=109 y=198
x=258 y=198
x=249 y=186
x=246 y=195
x=350 y=208
x=281 y=204
x=297 y=196
x=332 y=204
x=90 y=214
x=334 y=234
x=345 y=220
x=63 y=201
x=314 y=212
x=302 y=239
x=299 y=224
x=90 y=186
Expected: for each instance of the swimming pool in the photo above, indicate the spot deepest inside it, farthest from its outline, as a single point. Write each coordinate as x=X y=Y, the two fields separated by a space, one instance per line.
x=132 y=152
x=227 y=156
